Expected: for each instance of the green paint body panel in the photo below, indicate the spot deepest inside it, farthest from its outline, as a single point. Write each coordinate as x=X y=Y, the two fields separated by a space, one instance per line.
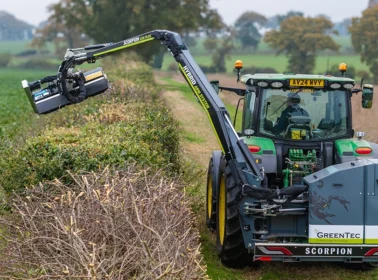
x=263 y=143
x=283 y=77
x=350 y=145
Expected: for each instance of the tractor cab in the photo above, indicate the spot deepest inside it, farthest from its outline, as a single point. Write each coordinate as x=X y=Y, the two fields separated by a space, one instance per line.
x=296 y=124
x=297 y=107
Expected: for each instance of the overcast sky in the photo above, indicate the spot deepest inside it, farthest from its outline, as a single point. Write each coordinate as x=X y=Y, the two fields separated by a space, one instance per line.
x=36 y=11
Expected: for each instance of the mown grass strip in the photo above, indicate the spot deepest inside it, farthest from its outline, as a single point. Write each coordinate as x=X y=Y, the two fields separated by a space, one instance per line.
x=183 y=87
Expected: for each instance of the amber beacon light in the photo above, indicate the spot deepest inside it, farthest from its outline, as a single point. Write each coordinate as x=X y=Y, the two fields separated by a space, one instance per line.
x=238 y=67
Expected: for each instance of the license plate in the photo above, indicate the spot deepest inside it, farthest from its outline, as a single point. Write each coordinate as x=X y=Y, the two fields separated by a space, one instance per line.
x=306 y=83
x=319 y=250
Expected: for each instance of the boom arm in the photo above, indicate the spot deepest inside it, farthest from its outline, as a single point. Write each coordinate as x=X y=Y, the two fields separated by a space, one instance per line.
x=232 y=146
x=69 y=87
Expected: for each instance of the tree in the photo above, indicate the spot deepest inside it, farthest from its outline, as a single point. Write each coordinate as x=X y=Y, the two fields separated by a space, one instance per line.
x=275 y=21
x=222 y=52
x=247 y=29
x=14 y=29
x=300 y=39
x=65 y=26
x=342 y=27
x=114 y=20
x=364 y=32
x=210 y=44
x=289 y=14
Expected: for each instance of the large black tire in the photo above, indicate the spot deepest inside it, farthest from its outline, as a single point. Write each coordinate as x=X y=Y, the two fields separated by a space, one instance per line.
x=213 y=178
x=230 y=242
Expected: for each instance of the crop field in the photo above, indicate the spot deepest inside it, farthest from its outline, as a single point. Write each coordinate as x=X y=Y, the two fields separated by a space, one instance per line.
x=16 y=112
x=264 y=56
x=344 y=42
x=15 y=47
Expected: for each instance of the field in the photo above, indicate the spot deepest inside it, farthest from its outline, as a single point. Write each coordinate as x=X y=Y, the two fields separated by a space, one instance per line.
x=16 y=113
x=277 y=62
x=15 y=47
x=344 y=42
x=265 y=57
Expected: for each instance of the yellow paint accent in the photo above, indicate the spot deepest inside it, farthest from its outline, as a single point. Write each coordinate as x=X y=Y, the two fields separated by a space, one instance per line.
x=93 y=76
x=296 y=134
x=222 y=209
x=124 y=47
x=371 y=241
x=336 y=241
x=306 y=83
x=196 y=92
x=210 y=196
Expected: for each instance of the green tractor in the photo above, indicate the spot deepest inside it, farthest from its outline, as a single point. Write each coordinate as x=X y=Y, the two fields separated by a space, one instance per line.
x=293 y=185
x=299 y=130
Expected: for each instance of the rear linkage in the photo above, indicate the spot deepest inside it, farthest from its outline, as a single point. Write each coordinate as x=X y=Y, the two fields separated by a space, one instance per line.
x=69 y=87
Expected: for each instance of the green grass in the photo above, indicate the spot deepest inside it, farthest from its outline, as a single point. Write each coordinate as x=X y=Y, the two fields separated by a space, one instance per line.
x=15 y=47
x=265 y=57
x=192 y=137
x=16 y=113
x=188 y=93
x=278 y=62
x=344 y=42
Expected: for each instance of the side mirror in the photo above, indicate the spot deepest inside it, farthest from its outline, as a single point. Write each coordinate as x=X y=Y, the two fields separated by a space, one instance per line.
x=215 y=85
x=367 y=96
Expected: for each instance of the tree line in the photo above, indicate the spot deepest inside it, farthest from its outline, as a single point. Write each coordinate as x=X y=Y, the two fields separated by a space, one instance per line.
x=77 y=22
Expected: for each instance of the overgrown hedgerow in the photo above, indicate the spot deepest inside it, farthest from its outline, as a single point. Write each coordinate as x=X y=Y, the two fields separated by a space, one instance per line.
x=147 y=136
x=133 y=224
x=110 y=130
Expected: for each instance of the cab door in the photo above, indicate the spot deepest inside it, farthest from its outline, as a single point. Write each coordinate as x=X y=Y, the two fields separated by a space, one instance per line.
x=248 y=111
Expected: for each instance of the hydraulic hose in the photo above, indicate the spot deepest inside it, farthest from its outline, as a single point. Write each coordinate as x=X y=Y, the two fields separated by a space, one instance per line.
x=78 y=77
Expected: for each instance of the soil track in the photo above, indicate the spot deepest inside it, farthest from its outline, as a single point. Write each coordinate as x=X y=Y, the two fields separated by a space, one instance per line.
x=193 y=119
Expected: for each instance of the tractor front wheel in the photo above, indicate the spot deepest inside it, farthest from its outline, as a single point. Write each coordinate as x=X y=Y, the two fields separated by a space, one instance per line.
x=212 y=187
x=230 y=242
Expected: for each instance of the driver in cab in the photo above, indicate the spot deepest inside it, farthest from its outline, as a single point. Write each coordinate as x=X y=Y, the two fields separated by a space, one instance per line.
x=293 y=109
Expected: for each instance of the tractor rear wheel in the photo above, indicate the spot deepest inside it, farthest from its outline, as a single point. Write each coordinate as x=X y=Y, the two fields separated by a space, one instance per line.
x=230 y=242
x=213 y=178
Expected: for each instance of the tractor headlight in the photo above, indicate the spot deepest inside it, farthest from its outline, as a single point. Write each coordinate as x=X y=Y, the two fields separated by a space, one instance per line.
x=262 y=84
x=335 y=86
x=348 y=86
x=277 y=84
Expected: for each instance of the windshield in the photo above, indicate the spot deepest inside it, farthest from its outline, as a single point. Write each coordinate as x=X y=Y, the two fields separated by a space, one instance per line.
x=305 y=114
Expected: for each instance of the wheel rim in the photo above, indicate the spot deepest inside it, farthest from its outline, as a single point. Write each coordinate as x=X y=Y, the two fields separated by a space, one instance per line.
x=222 y=210
x=209 y=196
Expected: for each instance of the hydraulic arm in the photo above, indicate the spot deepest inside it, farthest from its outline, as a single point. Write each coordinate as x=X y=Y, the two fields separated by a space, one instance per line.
x=231 y=145
x=241 y=161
